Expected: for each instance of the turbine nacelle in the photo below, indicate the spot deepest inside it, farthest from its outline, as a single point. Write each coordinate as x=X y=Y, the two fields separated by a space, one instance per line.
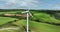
x=28 y=12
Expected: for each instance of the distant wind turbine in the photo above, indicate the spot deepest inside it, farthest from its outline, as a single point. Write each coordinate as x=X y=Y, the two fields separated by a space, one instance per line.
x=28 y=13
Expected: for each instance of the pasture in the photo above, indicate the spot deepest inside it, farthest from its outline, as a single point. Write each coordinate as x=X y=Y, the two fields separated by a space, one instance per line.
x=42 y=21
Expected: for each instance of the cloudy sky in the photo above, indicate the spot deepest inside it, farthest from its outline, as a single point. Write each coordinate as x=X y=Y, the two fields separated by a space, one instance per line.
x=30 y=4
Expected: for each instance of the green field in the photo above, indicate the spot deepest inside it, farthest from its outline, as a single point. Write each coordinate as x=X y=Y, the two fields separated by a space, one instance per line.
x=4 y=20
x=40 y=22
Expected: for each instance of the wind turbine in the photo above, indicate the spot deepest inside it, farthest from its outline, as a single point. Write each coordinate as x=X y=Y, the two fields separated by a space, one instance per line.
x=27 y=12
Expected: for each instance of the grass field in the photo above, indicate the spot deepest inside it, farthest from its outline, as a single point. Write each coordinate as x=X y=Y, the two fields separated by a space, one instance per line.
x=4 y=20
x=40 y=22
x=43 y=27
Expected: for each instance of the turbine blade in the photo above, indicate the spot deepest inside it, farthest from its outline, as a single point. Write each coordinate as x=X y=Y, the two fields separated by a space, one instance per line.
x=30 y=14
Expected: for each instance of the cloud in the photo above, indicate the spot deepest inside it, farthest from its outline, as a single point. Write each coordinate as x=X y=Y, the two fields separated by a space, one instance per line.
x=19 y=3
x=29 y=4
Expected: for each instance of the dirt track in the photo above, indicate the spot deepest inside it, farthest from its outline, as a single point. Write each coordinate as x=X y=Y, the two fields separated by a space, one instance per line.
x=16 y=28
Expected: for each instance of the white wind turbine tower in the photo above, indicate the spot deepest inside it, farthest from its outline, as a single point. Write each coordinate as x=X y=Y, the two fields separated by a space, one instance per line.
x=28 y=13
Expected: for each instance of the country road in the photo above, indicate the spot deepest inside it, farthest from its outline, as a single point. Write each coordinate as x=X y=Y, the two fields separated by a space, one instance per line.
x=16 y=28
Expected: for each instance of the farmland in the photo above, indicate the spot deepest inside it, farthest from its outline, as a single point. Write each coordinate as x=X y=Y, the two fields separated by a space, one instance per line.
x=42 y=21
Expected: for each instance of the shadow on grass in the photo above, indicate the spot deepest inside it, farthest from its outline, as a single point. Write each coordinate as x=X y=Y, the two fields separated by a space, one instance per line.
x=57 y=24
